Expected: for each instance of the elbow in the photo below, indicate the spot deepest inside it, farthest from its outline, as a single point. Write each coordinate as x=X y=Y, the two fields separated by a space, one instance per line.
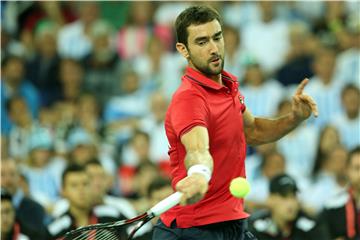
x=252 y=138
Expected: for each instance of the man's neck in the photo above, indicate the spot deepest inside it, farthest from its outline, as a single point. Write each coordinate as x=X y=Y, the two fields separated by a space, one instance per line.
x=80 y=215
x=216 y=78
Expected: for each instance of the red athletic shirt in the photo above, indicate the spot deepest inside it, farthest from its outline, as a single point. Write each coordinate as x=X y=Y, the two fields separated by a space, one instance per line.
x=200 y=101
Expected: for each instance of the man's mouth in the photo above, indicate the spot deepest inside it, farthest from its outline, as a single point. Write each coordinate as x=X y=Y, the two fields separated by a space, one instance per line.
x=215 y=60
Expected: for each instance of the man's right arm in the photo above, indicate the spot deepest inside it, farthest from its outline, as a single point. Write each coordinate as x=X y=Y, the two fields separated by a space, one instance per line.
x=196 y=143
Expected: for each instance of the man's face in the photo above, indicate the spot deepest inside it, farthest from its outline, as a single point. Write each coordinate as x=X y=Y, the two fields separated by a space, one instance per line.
x=351 y=102
x=83 y=153
x=9 y=176
x=7 y=216
x=99 y=181
x=76 y=188
x=205 y=46
x=14 y=71
x=285 y=207
x=353 y=171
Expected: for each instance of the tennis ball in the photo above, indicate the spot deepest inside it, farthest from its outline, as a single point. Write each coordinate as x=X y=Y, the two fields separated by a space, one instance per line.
x=239 y=187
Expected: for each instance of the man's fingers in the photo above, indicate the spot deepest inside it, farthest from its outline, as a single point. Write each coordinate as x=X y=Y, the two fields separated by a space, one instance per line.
x=311 y=103
x=301 y=86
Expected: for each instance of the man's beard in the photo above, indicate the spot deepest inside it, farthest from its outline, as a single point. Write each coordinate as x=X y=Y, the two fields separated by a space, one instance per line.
x=206 y=70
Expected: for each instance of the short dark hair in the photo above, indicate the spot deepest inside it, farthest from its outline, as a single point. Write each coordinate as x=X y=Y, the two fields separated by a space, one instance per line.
x=10 y=58
x=194 y=15
x=5 y=195
x=348 y=87
x=73 y=168
x=93 y=161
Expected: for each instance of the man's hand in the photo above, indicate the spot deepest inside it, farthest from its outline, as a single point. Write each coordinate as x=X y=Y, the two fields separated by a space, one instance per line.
x=303 y=105
x=193 y=188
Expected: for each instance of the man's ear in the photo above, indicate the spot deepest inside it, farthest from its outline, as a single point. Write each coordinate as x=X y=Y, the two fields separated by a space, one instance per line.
x=182 y=49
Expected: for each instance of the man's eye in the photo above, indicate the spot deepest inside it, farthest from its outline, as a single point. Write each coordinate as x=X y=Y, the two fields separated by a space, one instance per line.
x=201 y=43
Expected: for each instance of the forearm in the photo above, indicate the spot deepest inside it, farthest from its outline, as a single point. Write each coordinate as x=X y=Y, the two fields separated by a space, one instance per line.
x=269 y=130
x=195 y=157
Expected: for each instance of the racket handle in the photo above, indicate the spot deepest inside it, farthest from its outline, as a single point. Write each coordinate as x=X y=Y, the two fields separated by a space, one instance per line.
x=165 y=204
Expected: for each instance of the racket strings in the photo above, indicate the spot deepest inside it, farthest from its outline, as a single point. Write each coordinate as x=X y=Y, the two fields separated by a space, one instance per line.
x=99 y=234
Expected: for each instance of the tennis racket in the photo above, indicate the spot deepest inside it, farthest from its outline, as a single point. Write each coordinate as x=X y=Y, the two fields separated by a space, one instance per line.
x=116 y=230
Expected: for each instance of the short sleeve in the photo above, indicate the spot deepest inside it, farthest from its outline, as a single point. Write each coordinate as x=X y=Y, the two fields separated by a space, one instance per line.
x=189 y=109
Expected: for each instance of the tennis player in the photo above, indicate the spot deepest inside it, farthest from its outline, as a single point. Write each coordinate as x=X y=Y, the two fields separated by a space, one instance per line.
x=208 y=127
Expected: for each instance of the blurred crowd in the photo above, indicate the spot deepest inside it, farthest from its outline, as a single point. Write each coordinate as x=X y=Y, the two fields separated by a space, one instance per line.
x=85 y=88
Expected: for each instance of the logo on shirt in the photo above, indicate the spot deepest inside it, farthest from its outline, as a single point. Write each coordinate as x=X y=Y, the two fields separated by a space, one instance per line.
x=241 y=99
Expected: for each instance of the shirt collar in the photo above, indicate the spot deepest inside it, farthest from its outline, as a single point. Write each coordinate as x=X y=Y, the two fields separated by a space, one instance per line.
x=201 y=79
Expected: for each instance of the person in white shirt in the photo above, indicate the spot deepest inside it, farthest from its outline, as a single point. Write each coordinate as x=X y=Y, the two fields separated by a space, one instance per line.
x=261 y=95
x=324 y=87
x=267 y=39
x=348 y=61
x=348 y=123
x=73 y=39
x=329 y=179
x=272 y=164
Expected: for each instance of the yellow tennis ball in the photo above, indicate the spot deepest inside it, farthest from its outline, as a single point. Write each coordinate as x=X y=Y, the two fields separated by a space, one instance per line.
x=239 y=187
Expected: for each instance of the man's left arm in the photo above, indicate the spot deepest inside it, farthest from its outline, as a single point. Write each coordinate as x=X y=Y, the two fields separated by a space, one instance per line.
x=263 y=130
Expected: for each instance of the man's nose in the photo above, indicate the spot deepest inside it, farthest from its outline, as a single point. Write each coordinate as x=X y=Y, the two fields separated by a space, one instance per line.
x=213 y=48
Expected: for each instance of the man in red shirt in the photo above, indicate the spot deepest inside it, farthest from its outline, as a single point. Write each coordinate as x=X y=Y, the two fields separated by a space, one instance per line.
x=208 y=127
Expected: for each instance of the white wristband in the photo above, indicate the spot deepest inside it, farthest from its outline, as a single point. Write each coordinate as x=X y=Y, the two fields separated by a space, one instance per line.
x=202 y=169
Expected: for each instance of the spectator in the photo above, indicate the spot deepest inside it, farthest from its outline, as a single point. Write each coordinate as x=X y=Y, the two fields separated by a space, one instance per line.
x=23 y=126
x=329 y=27
x=348 y=122
x=257 y=90
x=74 y=41
x=236 y=58
x=10 y=228
x=299 y=58
x=329 y=179
x=88 y=115
x=28 y=212
x=76 y=188
x=100 y=185
x=254 y=160
x=153 y=125
x=12 y=84
x=329 y=139
x=71 y=78
x=275 y=31
x=102 y=64
x=133 y=37
x=273 y=164
x=342 y=210
x=285 y=219
x=135 y=156
x=158 y=189
x=347 y=61
x=83 y=148
x=158 y=68
x=324 y=88
x=9 y=45
x=239 y=14
x=40 y=171
x=42 y=69
x=122 y=113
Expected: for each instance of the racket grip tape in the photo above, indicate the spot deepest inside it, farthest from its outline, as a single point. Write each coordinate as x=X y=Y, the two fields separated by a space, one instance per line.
x=166 y=204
